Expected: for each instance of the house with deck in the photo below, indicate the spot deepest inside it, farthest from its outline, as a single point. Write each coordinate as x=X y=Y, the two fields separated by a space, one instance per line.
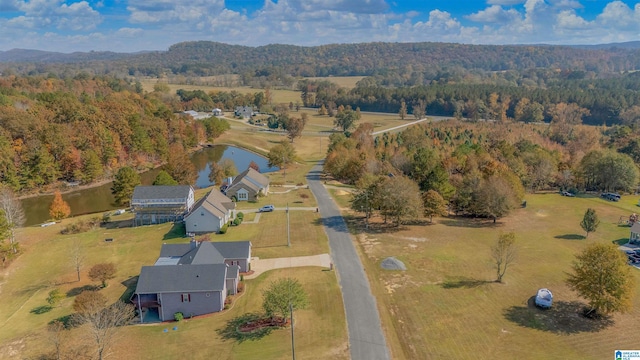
x=247 y=186
x=161 y=203
x=210 y=213
x=192 y=279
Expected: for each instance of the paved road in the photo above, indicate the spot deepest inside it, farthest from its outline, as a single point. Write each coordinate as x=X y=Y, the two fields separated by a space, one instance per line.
x=366 y=339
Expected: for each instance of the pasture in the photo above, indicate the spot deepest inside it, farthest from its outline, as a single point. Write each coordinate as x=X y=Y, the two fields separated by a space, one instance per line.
x=447 y=305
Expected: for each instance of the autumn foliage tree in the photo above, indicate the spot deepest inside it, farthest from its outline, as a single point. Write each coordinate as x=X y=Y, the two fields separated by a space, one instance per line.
x=102 y=272
x=601 y=275
x=59 y=208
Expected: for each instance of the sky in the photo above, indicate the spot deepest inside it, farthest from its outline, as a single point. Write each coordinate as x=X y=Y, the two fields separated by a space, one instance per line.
x=140 y=25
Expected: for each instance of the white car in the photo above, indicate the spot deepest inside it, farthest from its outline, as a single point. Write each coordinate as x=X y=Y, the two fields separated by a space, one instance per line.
x=266 y=208
x=544 y=298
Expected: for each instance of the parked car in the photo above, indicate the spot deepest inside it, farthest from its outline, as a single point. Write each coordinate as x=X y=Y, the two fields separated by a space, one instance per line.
x=266 y=208
x=544 y=298
x=566 y=193
x=610 y=196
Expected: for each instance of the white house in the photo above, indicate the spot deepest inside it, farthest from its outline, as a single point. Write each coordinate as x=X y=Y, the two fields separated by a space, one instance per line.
x=161 y=203
x=210 y=213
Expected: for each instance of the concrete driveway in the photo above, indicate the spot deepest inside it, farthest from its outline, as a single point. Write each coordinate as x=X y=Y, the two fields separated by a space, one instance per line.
x=258 y=266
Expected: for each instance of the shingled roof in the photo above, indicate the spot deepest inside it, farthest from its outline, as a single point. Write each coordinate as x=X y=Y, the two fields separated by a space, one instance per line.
x=251 y=178
x=163 y=279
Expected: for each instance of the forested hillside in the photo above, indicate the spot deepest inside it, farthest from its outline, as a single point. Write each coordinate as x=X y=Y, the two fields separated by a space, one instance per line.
x=203 y=58
x=85 y=128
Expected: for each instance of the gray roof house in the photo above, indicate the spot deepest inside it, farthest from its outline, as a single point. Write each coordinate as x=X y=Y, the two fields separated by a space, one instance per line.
x=161 y=203
x=210 y=213
x=193 y=279
x=247 y=186
x=245 y=112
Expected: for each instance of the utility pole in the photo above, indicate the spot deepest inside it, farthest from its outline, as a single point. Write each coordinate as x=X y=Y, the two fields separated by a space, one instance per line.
x=293 y=343
x=284 y=169
x=288 y=234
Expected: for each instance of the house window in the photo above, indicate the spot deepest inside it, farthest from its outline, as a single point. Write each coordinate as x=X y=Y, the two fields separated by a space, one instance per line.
x=186 y=297
x=242 y=196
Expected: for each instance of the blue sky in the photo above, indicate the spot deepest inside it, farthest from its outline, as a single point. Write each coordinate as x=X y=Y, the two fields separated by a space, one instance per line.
x=136 y=25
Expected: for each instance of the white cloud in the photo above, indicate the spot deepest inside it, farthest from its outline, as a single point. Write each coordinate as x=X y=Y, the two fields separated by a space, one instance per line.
x=495 y=14
x=505 y=2
x=67 y=25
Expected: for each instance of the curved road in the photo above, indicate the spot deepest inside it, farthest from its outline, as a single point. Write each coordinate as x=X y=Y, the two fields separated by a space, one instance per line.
x=366 y=340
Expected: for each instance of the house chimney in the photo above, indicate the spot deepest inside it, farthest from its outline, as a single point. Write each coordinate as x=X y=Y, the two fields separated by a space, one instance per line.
x=229 y=181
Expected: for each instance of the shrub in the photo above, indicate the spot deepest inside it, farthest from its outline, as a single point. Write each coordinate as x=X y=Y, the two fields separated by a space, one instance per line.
x=223 y=229
x=304 y=196
x=237 y=221
x=55 y=296
x=81 y=226
x=240 y=287
x=178 y=316
x=240 y=215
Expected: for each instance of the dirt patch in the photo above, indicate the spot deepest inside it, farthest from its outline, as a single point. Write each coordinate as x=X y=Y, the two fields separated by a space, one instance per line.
x=13 y=349
x=410 y=238
x=342 y=192
x=367 y=244
x=541 y=213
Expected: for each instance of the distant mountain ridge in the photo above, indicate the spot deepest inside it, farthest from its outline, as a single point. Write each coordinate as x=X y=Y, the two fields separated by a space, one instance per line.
x=205 y=58
x=40 y=56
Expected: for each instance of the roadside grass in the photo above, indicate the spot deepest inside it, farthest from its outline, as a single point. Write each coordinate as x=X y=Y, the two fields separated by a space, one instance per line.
x=341 y=197
x=269 y=235
x=446 y=304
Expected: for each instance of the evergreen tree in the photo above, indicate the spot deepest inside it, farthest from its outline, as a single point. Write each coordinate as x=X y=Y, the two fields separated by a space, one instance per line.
x=590 y=221
x=125 y=181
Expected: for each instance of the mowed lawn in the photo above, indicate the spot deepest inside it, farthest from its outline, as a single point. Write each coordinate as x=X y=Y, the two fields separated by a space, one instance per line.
x=446 y=305
x=45 y=265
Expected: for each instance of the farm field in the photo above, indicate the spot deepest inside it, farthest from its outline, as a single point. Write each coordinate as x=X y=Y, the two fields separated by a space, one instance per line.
x=446 y=304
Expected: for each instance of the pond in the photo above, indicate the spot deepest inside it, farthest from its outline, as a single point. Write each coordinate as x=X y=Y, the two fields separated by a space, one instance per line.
x=99 y=198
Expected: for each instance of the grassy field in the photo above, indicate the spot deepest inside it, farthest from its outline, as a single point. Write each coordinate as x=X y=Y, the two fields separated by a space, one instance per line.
x=45 y=265
x=446 y=304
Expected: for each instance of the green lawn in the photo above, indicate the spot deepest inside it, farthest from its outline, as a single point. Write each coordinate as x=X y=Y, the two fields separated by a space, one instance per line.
x=446 y=305
x=45 y=265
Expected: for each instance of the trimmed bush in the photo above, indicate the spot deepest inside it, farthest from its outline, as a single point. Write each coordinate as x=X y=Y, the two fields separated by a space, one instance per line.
x=240 y=215
x=237 y=221
x=178 y=316
x=223 y=229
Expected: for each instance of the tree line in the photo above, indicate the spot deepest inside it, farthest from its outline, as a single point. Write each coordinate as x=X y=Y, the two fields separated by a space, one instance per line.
x=608 y=101
x=478 y=169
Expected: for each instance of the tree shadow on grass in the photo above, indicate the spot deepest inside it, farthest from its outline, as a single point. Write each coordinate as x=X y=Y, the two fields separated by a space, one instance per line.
x=562 y=318
x=77 y=290
x=231 y=332
x=570 y=237
x=41 y=309
x=177 y=231
x=463 y=282
x=459 y=221
x=622 y=241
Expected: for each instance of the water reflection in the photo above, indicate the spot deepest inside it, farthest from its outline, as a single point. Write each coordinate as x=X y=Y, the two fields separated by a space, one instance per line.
x=98 y=199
